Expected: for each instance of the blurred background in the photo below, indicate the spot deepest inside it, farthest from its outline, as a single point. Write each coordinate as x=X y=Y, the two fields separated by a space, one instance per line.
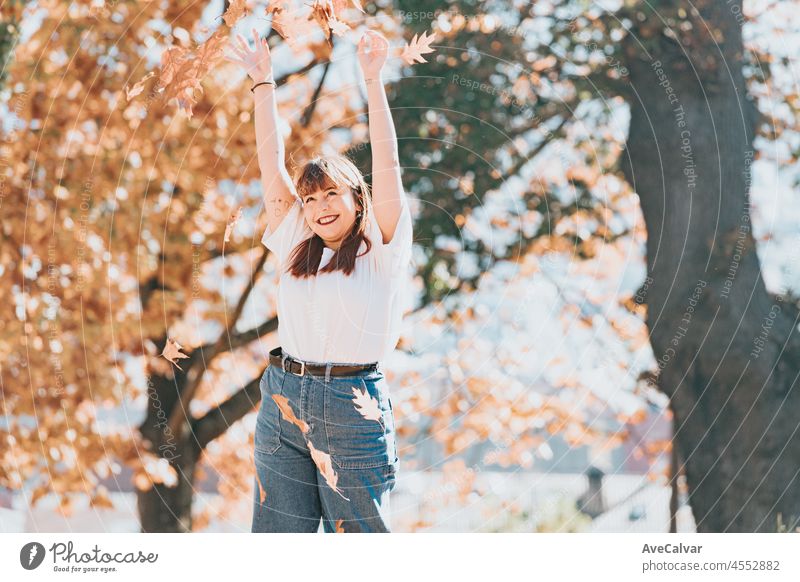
x=579 y=174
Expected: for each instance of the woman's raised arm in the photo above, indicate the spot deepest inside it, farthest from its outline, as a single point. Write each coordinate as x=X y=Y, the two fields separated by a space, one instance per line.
x=279 y=191
x=387 y=186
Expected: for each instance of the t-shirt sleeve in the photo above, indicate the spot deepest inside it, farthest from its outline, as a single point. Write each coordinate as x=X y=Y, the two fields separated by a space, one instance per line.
x=292 y=230
x=397 y=252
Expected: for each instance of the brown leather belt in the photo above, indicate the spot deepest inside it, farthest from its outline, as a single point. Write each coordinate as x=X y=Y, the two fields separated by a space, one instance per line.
x=299 y=367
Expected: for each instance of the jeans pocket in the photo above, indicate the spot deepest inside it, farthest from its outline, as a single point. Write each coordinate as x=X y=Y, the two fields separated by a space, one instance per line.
x=268 y=426
x=359 y=423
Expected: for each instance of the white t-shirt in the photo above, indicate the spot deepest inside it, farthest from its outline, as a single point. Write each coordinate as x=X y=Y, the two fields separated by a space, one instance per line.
x=338 y=318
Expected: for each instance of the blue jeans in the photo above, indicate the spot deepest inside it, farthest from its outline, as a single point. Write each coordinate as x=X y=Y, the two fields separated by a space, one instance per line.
x=324 y=449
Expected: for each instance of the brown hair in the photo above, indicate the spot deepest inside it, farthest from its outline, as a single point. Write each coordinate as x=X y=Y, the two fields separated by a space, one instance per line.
x=320 y=173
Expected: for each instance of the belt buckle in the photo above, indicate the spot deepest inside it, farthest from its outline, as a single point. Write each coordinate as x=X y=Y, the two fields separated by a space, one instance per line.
x=302 y=368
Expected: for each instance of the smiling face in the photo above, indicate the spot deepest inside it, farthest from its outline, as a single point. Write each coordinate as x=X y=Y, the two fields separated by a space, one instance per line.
x=331 y=213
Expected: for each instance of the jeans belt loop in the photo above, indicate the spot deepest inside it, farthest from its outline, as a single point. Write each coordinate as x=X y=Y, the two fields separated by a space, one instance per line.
x=328 y=367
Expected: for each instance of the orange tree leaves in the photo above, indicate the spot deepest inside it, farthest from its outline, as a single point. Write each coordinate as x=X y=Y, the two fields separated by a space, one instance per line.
x=113 y=223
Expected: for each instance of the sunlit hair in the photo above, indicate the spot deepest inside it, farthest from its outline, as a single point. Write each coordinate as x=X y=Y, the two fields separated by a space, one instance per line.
x=321 y=173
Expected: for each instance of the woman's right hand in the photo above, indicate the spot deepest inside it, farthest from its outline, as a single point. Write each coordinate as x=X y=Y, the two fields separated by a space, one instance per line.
x=258 y=62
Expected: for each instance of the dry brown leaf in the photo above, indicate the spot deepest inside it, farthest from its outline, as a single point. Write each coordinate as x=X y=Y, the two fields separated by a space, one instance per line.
x=261 y=494
x=338 y=27
x=414 y=50
x=235 y=11
x=182 y=69
x=172 y=351
x=325 y=466
x=288 y=25
x=322 y=12
x=367 y=406
x=232 y=223
x=138 y=87
x=276 y=6
x=288 y=413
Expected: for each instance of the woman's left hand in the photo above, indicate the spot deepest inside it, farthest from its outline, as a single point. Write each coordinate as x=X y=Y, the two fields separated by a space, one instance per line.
x=372 y=62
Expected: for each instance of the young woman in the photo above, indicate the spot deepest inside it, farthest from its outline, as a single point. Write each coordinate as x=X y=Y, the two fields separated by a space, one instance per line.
x=325 y=439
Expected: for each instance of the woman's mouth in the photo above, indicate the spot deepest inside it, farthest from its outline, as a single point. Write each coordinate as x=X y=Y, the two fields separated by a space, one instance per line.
x=326 y=220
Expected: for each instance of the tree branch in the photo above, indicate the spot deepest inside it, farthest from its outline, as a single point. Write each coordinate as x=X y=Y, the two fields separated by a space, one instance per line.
x=217 y=420
x=195 y=373
x=306 y=118
x=517 y=167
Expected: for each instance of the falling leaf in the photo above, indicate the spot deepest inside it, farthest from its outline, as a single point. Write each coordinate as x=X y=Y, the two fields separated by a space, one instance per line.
x=261 y=494
x=414 y=50
x=323 y=462
x=367 y=405
x=173 y=350
x=338 y=27
x=339 y=528
x=274 y=6
x=138 y=87
x=235 y=11
x=182 y=69
x=323 y=12
x=232 y=223
x=288 y=25
x=288 y=413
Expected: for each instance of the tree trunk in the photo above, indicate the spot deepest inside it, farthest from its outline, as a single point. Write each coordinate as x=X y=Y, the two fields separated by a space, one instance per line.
x=165 y=508
x=726 y=351
x=169 y=509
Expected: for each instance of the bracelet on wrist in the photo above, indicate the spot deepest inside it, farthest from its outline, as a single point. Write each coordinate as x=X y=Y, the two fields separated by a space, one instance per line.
x=267 y=82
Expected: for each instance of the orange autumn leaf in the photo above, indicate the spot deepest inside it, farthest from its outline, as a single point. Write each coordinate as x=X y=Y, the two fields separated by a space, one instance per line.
x=414 y=50
x=288 y=413
x=182 y=69
x=274 y=6
x=232 y=223
x=322 y=12
x=288 y=25
x=339 y=528
x=261 y=494
x=235 y=11
x=172 y=351
x=138 y=87
x=323 y=462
